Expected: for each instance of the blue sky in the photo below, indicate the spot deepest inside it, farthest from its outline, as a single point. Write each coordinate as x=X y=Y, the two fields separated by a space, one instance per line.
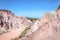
x=29 y=8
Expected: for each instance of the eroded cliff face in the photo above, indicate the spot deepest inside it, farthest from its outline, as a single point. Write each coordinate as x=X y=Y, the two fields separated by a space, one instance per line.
x=20 y=28
x=11 y=26
x=49 y=27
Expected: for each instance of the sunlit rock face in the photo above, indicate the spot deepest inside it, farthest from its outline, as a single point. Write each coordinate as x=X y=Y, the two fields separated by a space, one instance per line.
x=49 y=27
x=5 y=20
x=11 y=26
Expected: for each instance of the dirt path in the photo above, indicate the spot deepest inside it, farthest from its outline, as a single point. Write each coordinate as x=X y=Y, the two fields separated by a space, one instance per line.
x=10 y=35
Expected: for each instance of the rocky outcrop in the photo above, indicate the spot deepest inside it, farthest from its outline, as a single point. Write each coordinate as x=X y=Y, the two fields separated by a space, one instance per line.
x=12 y=25
x=49 y=27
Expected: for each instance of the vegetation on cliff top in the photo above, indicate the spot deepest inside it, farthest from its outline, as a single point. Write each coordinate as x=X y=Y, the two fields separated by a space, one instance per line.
x=32 y=19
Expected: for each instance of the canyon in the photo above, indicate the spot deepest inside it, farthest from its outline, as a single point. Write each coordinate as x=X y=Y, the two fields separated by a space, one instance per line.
x=14 y=27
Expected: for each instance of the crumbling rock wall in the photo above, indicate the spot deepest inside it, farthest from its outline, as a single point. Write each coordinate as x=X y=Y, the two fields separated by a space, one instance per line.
x=49 y=28
x=9 y=22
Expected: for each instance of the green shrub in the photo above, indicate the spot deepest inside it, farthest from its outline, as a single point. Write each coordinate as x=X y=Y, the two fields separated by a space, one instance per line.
x=31 y=18
x=24 y=32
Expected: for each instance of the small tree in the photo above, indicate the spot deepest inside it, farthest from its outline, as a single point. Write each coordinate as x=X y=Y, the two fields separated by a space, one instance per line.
x=58 y=7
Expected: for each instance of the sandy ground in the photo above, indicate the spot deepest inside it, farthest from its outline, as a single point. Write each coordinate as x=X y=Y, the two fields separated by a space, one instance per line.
x=10 y=35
